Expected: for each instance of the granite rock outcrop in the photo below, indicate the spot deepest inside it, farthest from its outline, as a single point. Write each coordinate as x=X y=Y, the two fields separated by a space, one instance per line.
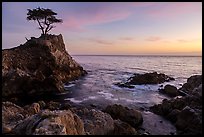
x=41 y=65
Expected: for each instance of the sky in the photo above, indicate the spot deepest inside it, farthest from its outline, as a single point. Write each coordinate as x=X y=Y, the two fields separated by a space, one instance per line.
x=112 y=28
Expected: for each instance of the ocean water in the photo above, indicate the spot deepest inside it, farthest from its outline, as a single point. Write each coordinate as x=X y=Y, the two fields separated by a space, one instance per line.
x=98 y=87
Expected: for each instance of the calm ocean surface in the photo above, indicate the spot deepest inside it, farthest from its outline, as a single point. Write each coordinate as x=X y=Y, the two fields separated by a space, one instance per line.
x=99 y=88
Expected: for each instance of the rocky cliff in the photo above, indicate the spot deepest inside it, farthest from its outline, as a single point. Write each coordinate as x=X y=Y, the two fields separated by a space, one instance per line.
x=39 y=66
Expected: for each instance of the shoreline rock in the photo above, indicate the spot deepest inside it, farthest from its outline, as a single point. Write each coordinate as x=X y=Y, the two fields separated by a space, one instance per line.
x=38 y=67
x=170 y=90
x=131 y=116
x=95 y=121
x=43 y=118
x=192 y=83
x=51 y=123
x=184 y=112
x=33 y=120
x=123 y=128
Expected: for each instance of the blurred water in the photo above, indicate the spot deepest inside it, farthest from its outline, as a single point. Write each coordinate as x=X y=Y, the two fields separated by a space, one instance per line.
x=99 y=87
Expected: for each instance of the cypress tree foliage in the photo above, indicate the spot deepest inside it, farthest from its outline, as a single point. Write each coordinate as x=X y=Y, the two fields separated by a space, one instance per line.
x=44 y=17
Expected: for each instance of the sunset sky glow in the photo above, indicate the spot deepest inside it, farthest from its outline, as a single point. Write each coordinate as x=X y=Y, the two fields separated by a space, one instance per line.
x=112 y=28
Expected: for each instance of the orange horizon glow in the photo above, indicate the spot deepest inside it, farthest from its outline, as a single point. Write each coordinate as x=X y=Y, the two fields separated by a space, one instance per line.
x=178 y=47
x=115 y=28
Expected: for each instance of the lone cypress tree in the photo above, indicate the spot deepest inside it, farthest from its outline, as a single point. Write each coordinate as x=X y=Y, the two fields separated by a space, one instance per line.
x=45 y=18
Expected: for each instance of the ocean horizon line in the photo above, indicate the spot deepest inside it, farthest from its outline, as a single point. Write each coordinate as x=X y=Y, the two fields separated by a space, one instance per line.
x=142 y=55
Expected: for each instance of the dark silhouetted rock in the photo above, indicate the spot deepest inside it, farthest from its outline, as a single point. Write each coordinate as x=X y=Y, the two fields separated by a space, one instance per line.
x=173 y=110
x=186 y=111
x=124 y=85
x=162 y=109
x=131 y=116
x=192 y=82
x=149 y=78
x=197 y=91
x=171 y=90
x=189 y=121
x=172 y=116
x=39 y=66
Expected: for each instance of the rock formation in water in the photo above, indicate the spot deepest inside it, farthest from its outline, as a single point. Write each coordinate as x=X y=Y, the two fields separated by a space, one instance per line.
x=170 y=90
x=147 y=78
x=39 y=66
x=192 y=82
x=185 y=112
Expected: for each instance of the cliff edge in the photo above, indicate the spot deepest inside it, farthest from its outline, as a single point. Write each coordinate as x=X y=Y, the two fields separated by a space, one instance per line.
x=41 y=65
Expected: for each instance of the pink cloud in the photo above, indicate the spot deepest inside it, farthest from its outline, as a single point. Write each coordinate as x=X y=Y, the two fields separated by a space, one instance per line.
x=77 y=22
x=103 y=42
x=100 y=41
x=186 y=40
x=153 y=38
x=106 y=13
x=166 y=41
x=142 y=4
x=127 y=38
x=171 y=10
x=183 y=40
